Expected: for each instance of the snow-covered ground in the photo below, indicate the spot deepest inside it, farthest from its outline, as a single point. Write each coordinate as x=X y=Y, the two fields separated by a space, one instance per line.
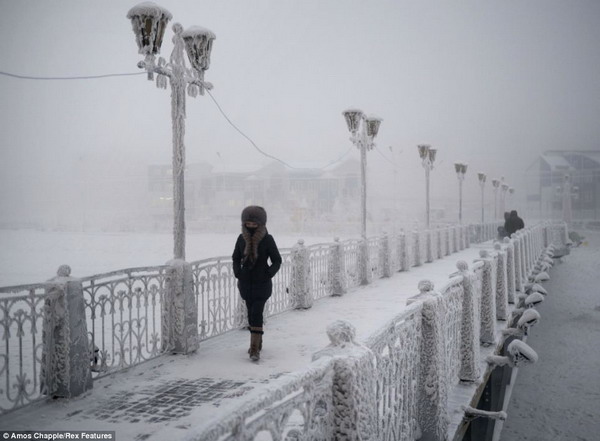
x=33 y=256
x=558 y=398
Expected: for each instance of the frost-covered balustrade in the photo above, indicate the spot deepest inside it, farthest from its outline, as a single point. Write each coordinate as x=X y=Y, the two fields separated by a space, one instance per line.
x=123 y=311
x=134 y=315
x=401 y=379
x=22 y=317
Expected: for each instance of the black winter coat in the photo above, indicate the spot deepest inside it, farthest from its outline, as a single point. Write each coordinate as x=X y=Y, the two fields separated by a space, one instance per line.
x=513 y=224
x=255 y=280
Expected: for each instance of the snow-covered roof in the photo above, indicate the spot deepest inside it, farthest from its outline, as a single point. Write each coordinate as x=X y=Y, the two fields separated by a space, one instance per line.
x=556 y=161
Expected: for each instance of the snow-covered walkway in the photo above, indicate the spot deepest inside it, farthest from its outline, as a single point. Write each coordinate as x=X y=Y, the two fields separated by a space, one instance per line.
x=163 y=398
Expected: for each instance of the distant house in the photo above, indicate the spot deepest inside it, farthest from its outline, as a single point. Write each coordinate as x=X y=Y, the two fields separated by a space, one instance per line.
x=221 y=192
x=546 y=177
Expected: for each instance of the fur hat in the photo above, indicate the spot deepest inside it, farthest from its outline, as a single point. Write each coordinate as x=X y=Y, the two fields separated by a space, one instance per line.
x=254 y=213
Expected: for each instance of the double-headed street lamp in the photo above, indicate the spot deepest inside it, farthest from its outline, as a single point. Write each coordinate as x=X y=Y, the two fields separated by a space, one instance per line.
x=461 y=171
x=149 y=23
x=363 y=129
x=482 y=177
x=496 y=185
x=427 y=155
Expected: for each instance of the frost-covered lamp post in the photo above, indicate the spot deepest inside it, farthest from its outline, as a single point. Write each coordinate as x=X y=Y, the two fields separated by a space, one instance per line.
x=496 y=185
x=427 y=155
x=149 y=23
x=567 y=194
x=363 y=129
x=504 y=187
x=461 y=171
x=482 y=177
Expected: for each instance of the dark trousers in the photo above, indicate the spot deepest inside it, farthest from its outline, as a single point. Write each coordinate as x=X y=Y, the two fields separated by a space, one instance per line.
x=255 y=295
x=255 y=308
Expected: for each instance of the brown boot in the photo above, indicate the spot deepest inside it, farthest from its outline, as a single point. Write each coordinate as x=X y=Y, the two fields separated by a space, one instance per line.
x=255 y=343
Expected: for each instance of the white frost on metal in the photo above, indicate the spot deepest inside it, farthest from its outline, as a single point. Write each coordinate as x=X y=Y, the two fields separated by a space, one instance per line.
x=300 y=289
x=469 y=344
x=353 y=384
x=487 y=274
x=501 y=283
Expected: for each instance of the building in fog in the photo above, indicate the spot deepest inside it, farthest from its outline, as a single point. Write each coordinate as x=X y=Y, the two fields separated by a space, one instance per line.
x=219 y=193
x=545 y=180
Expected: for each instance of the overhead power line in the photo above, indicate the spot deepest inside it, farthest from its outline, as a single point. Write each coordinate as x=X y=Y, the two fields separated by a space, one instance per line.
x=262 y=152
x=86 y=77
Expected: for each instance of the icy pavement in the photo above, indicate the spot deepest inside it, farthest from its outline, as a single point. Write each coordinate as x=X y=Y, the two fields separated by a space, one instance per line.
x=558 y=398
x=165 y=397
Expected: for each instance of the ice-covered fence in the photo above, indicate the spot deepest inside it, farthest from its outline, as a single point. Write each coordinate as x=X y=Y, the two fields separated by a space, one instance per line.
x=22 y=316
x=123 y=310
x=217 y=300
x=351 y=253
x=126 y=309
x=319 y=270
x=396 y=347
x=296 y=406
x=419 y=356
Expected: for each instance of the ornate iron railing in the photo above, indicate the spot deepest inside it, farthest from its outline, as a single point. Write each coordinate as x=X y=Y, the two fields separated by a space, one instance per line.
x=397 y=349
x=351 y=250
x=217 y=299
x=281 y=301
x=300 y=406
x=319 y=269
x=123 y=311
x=22 y=315
x=452 y=294
x=375 y=265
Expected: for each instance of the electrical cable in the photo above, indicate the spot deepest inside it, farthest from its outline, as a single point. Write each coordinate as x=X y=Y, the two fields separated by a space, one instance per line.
x=89 y=77
x=385 y=157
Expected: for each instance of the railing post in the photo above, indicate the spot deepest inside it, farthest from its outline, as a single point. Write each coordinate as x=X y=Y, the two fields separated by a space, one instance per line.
x=179 y=311
x=467 y=237
x=66 y=353
x=417 y=248
x=300 y=289
x=337 y=269
x=517 y=255
x=510 y=270
x=448 y=248
x=454 y=239
x=403 y=252
x=429 y=246
x=488 y=299
x=384 y=256
x=469 y=330
x=354 y=386
x=438 y=235
x=501 y=284
x=363 y=261
x=433 y=391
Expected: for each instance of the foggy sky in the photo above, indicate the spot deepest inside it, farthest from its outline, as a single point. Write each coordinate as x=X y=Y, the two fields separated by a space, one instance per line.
x=492 y=83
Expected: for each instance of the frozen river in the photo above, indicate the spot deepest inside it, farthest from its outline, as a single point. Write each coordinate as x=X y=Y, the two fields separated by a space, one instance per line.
x=32 y=256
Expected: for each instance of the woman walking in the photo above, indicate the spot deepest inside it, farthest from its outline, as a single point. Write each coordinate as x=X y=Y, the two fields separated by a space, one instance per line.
x=253 y=248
